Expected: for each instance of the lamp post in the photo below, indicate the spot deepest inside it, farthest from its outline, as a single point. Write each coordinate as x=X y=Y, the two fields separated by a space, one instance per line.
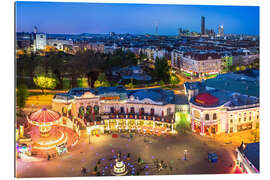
x=89 y=132
x=185 y=154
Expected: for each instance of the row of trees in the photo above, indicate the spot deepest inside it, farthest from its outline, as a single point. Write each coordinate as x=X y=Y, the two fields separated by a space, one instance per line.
x=61 y=66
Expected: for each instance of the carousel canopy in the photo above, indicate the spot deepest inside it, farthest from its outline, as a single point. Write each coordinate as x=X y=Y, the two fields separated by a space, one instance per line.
x=44 y=115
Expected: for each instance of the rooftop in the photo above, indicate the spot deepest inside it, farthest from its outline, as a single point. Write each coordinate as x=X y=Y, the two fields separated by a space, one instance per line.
x=154 y=94
x=242 y=83
x=252 y=152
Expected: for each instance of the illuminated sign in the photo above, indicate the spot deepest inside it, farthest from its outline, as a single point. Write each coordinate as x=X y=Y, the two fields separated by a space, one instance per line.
x=110 y=98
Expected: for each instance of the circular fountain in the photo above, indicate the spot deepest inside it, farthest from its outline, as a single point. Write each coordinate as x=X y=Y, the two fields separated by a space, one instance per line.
x=119 y=169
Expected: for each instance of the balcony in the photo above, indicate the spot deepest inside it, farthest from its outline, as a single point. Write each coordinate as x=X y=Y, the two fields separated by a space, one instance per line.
x=167 y=119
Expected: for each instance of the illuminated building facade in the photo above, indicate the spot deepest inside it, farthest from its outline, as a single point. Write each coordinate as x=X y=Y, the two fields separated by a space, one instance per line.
x=110 y=109
x=228 y=103
x=40 y=41
x=223 y=112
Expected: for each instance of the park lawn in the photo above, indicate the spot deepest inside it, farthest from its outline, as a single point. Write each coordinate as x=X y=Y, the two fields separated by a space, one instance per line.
x=40 y=100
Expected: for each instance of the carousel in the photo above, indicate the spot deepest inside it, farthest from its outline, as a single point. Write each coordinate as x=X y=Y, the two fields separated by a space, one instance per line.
x=49 y=138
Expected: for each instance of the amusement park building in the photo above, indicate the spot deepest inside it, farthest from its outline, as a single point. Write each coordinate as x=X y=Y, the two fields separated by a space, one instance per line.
x=215 y=110
x=117 y=109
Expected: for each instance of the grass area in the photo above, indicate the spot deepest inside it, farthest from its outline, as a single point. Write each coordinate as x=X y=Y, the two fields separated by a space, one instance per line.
x=182 y=122
x=40 y=100
x=186 y=74
x=211 y=76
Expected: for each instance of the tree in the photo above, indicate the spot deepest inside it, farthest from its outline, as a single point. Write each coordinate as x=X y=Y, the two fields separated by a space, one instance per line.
x=45 y=82
x=174 y=79
x=162 y=70
x=130 y=85
x=101 y=81
x=183 y=124
x=161 y=83
x=22 y=94
x=243 y=68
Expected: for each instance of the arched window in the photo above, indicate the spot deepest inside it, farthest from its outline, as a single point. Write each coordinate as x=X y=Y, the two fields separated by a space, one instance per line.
x=207 y=117
x=168 y=111
x=132 y=110
x=122 y=110
x=96 y=110
x=112 y=109
x=142 y=111
x=152 y=111
x=214 y=116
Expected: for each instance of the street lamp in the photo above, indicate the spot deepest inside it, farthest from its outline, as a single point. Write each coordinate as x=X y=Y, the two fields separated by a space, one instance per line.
x=185 y=154
x=88 y=132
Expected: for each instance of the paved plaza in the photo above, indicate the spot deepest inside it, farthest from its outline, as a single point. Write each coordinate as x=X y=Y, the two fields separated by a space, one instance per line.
x=169 y=149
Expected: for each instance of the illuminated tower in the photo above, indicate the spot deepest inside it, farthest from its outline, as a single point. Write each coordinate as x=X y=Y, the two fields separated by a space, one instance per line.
x=221 y=30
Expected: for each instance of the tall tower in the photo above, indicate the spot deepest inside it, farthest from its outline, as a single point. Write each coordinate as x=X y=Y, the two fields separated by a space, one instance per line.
x=35 y=29
x=202 y=25
x=221 y=30
x=156 y=29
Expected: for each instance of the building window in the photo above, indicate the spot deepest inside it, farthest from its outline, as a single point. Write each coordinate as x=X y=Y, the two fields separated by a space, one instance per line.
x=214 y=116
x=168 y=111
x=112 y=109
x=132 y=110
x=245 y=119
x=142 y=111
x=231 y=121
x=122 y=110
x=257 y=116
x=152 y=112
x=207 y=117
x=250 y=118
x=239 y=120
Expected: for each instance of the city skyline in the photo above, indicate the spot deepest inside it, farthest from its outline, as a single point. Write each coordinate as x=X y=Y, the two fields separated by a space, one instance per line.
x=71 y=18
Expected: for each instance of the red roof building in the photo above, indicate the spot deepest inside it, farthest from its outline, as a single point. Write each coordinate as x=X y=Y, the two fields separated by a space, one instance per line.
x=206 y=99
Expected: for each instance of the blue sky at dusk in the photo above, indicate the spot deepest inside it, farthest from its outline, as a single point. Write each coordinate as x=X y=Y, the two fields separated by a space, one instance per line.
x=73 y=18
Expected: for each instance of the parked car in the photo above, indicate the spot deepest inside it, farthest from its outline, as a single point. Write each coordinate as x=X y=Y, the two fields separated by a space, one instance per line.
x=212 y=157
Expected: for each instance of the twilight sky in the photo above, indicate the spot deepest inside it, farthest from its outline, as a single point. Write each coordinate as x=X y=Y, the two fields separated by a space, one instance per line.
x=60 y=17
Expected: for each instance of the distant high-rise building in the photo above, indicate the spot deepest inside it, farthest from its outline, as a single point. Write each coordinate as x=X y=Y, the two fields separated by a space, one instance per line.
x=35 y=29
x=221 y=30
x=180 y=31
x=203 y=25
x=156 y=29
x=40 y=41
x=112 y=33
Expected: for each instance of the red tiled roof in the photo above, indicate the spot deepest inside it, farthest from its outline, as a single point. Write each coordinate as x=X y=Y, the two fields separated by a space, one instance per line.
x=206 y=99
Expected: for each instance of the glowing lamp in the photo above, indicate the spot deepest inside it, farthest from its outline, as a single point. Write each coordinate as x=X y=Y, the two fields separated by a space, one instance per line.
x=88 y=130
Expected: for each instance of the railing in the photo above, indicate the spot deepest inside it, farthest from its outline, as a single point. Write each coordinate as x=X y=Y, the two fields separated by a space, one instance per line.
x=168 y=119
x=244 y=107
